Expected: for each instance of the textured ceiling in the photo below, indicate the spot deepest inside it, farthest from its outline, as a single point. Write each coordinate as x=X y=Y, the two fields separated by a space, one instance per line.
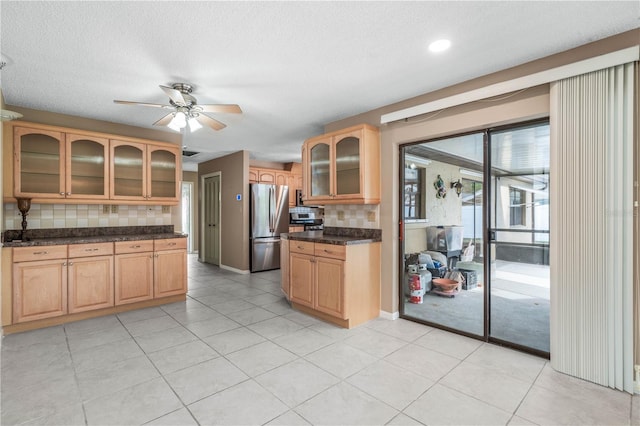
x=291 y=66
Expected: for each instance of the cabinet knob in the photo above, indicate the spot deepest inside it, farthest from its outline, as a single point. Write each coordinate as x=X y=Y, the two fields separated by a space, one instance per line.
x=40 y=252
x=70 y=263
x=68 y=193
x=134 y=246
x=62 y=193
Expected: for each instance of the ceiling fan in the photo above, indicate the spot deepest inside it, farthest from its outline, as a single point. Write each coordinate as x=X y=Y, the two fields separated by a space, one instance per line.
x=186 y=109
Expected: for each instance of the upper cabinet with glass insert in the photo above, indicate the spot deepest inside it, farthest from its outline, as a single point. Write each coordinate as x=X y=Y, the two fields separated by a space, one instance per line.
x=55 y=164
x=342 y=167
x=148 y=172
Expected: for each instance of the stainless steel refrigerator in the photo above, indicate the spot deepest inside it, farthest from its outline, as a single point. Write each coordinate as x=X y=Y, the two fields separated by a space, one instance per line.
x=269 y=205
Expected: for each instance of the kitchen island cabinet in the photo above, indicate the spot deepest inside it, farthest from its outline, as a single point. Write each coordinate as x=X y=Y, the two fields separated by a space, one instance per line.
x=334 y=278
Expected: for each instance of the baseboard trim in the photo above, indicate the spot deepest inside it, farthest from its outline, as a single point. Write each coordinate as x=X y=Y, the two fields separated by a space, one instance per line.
x=389 y=315
x=236 y=270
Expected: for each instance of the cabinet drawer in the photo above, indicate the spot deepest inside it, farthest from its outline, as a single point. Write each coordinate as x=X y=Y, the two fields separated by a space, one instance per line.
x=133 y=246
x=86 y=250
x=304 y=247
x=170 y=244
x=333 y=251
x=27 y=254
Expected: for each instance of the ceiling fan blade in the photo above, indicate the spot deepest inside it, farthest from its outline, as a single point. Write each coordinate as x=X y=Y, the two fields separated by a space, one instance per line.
x=164 y=120
x=175 y=95
x=232 y=108
x=214 y=124
x=143 y=104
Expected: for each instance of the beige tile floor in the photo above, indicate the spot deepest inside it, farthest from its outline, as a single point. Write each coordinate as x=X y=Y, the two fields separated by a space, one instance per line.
x=235 y=353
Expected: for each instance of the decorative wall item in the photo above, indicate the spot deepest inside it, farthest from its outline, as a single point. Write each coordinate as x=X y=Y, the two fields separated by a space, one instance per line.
x=457 y=185
x=441 y=190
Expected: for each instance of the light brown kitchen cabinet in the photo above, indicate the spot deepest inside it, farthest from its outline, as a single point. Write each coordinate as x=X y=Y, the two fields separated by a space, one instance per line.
x=50 y=164
x=144 y=172
x=133 y=271
x=342 y=167
x=39 y=279
x=253 y=175
x=284 y=267
x=170 y=267
x=53 y=164
x=90 y=277
x=331 y=282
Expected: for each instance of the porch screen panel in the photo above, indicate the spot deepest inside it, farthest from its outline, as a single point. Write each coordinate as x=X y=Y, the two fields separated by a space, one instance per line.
x=591 y=250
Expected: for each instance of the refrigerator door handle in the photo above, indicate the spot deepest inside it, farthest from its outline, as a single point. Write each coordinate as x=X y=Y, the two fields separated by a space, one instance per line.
x=271 y=208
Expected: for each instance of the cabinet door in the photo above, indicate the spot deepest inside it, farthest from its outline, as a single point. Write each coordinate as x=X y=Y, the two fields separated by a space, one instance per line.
x=329 y=288
x=266 y=176
x=39 y=290
x=301 y=279
x=284 y=267
x=87 y=167
x=38 y=163
x=163 y=177
x=253 y=175
x=348 y=174
x=90 y=283
x=319 y=170
x=133 y=277
x=128 y=177
x=170 y=273
x=282 y=178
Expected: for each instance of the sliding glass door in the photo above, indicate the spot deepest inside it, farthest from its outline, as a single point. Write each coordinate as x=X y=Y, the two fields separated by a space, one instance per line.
x=475 y=234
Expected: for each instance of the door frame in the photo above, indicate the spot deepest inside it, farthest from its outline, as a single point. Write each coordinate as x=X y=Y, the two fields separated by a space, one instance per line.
x=191 y=215
x=486 y=243
x=201 y=253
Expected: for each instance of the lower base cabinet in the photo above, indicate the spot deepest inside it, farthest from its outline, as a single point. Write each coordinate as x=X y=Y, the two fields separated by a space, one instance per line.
x=338 y=283
x=90 y=281
x=55 y=281
x=39 y=289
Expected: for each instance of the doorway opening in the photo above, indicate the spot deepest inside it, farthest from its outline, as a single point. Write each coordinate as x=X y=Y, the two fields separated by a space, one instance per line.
x=475 y=227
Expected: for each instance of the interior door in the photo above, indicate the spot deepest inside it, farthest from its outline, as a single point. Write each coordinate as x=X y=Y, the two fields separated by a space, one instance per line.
x=211 y=223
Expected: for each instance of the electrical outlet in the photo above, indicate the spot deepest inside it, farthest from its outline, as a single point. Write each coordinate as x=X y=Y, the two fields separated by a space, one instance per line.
x=114 y=208
x=166 y=209
x=340 y=215
x=371 y=216
x=106 y=208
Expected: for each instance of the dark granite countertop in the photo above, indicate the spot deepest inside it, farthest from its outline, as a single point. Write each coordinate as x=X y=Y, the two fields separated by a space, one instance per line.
x=49 y=237
x=337 y=236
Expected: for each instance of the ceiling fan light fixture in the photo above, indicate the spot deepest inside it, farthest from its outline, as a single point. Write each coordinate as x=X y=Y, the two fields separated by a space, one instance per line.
x=178 y=122
x=194 y=124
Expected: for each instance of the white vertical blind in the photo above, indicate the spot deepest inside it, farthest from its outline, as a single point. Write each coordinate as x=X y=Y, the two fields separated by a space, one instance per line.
x=592 y=226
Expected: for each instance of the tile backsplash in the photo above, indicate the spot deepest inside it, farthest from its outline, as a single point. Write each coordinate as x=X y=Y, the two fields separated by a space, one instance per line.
x=83 y=215
x=352 y=216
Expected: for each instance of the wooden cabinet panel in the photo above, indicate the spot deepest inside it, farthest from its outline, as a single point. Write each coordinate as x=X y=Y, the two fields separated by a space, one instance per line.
x=86 y=250
x=284 y=267
x=330 y=250
x=86 y=167
x=133 y=277
x=342 y=167
x=170 y=273
x=266 y=176
x=28 y=254
x=329 y=286
x=163 y=173
x=303 y=247
x=253 y=175
x=281 y=178
x=39 y=290
x=170 y=244
x=139 y=246
x=301 y=269
x=90 y=283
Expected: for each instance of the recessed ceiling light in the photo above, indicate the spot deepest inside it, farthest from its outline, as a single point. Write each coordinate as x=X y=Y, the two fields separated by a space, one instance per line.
x=439 y=45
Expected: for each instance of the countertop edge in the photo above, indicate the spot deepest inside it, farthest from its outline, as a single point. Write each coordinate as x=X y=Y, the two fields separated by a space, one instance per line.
x=328 y=239
x=91 y=239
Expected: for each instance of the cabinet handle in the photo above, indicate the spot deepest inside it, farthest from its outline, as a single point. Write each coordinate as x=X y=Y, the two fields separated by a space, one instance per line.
x=40 y=252
x=150 y=257
x=156 y=254
x=172 y=244
x=64 y=263
x=62 y=193
x=91 y=249
x=327 y=251
x=138 y=246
